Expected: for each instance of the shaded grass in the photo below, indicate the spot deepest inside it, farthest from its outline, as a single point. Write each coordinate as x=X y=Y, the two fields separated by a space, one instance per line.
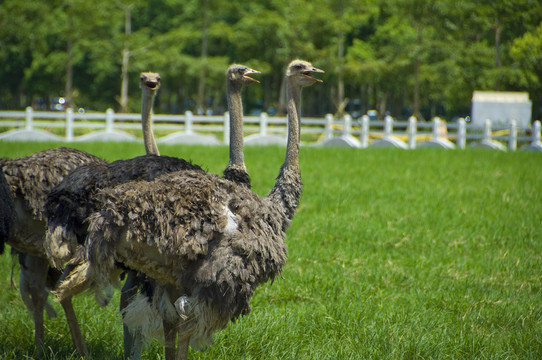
x=424 y=254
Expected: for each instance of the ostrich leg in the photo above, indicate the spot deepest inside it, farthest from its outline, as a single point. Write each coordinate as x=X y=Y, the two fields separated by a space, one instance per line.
x=137 y=346
x=170 y=334
x=32 y=287
x=129 y=290
x=77 y=336
x=182 y=347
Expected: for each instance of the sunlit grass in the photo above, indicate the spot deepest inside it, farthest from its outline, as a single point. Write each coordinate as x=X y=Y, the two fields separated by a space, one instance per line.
x=393 y=254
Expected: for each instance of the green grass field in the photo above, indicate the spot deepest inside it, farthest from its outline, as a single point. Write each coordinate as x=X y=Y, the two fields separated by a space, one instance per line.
x=393 y=254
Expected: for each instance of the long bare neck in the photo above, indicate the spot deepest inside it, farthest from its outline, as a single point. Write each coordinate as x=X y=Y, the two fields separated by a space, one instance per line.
x=236 y=170
x=146 y=120
x=287 y=189
x=292 y=146
x=235 y=106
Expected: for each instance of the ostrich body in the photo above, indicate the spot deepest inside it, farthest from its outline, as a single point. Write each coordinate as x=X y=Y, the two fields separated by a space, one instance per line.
x=209 y=239
x=30 y=179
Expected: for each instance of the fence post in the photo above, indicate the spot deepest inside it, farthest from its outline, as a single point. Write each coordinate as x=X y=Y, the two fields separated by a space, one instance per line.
x=189 y=119
x=364 y=136
x=461 y=133
x=109 y=118
x=347 y=125
x=388 y=126
x=487 y=130
x=329 y=127
x=227 y=128
x=29 y=117
x=536 y=132
x=513 y=136
x=69 y=124
x=412 y=132
x=263 y=123
x=436 y=128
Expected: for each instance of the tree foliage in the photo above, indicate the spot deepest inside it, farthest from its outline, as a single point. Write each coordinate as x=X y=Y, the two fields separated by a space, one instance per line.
x=400 y=56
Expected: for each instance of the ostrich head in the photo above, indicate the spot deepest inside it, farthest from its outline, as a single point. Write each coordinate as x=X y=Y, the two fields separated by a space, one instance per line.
x=150 y=80
x=300 y=71
x=239 y=74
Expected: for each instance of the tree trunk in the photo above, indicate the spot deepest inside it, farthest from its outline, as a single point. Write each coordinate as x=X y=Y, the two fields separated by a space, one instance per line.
x=68 y=89
x=124 y=81
x=340 y=80
x=125 y=60
x=341 y=104
x=497 y=29
x=200 y=108
x=416 y=90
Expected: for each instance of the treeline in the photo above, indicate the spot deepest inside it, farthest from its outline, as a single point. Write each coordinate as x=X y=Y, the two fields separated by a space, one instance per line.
x=406 y=57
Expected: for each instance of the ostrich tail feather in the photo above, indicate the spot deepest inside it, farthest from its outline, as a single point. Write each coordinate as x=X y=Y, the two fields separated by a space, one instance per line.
x=74 y=283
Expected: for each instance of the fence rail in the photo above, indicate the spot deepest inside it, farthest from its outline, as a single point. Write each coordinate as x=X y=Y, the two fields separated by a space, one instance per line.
x=188 y=128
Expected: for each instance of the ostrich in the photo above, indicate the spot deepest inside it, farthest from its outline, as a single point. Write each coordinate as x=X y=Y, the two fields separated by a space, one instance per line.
x=30 y=179
x=71 y=201
x=74 y=199
x=142 y=313
x=207 y=240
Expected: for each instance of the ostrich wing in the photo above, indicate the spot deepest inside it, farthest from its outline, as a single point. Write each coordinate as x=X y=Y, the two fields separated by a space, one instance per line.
x=73 y=200
x=34 y=176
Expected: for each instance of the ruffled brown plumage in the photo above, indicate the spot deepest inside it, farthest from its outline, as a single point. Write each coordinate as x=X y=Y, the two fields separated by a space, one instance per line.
x=218 y=236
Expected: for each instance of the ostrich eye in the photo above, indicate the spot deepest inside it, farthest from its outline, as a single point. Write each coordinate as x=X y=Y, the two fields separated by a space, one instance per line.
x=158 y=78
x=298 y=66
x=142 y=77
x=242 y=70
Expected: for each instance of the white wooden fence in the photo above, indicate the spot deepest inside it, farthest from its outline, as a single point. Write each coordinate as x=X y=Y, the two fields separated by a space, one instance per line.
x=187 y=128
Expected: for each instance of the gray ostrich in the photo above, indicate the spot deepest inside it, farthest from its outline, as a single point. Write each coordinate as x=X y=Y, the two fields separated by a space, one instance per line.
x=208 y=241
x=30 y=179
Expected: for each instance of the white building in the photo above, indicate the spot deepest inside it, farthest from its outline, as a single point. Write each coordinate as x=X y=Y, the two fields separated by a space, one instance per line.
x=501 y=107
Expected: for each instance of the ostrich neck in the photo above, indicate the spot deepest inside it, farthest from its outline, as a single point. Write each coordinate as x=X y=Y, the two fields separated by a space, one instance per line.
x=292 y=146
x=235 y=106
x=287 y=189
x=146 y=117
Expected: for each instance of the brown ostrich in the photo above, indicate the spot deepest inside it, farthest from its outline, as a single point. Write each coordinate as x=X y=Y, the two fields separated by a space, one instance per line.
x=145 y=315
x=30 y=179
x=208 y=241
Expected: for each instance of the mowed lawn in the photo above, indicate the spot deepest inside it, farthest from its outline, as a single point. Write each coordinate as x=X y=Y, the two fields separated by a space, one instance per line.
x=393 y=254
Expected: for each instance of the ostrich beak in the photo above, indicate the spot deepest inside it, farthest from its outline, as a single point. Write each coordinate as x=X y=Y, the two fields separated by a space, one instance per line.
x=151 y=84
x=313 y=70
x=250 y=72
